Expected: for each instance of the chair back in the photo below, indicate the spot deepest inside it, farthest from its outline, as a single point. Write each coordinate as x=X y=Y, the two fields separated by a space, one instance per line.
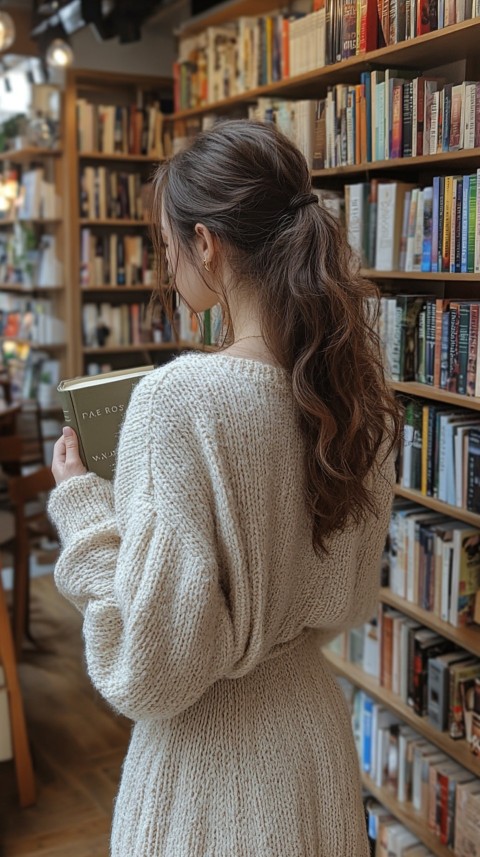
x=23 y=489
x=11 y=449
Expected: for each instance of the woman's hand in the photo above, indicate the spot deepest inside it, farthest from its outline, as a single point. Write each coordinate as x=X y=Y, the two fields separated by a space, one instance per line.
x=66 y=460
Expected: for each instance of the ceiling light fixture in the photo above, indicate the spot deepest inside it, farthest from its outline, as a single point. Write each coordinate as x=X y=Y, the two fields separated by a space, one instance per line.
x=59 y=54
x=7 y=31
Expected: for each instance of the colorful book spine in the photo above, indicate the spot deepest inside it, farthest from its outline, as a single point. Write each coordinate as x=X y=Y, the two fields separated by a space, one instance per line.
x=464 y=240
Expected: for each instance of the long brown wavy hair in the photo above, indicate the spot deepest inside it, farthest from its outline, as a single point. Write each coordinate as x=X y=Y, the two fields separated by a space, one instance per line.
x=251 y=187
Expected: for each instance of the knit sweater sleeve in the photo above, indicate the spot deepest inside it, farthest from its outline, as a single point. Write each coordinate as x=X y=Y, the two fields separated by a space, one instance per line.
x=139 y=560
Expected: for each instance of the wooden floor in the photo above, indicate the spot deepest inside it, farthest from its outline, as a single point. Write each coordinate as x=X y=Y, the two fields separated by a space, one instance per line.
x=78 y=744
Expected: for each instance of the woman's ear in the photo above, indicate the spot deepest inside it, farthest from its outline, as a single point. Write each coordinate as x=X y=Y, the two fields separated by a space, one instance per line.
x=205 y=244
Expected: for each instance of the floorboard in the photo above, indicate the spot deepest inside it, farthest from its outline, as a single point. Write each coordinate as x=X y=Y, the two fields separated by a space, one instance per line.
x=78 y=743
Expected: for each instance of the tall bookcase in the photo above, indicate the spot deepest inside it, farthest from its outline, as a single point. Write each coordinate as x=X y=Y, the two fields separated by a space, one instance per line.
x=53 y=294
x=123 y=90
x=430 y=51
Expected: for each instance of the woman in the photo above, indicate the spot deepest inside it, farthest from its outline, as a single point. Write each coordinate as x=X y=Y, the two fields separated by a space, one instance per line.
x=245 y=524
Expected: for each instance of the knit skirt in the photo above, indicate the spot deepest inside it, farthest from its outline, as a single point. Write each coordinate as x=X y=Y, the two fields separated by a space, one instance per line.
x=262 y=766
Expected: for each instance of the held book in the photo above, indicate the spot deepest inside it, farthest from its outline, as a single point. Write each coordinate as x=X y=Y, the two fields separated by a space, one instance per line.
x=94 y=406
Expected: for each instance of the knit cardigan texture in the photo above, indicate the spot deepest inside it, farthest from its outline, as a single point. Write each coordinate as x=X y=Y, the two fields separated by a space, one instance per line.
x=205 y=609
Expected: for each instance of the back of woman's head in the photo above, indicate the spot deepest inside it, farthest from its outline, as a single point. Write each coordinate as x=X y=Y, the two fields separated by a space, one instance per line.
x=251 y=187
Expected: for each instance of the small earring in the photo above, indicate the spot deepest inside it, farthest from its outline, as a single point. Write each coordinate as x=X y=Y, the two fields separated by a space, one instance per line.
x=206 y=264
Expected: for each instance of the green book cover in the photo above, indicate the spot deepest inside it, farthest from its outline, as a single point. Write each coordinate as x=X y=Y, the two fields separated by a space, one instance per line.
x=472 y=217
x=94 y=406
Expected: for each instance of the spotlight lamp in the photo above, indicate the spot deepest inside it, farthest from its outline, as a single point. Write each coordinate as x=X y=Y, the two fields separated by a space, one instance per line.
x=59 y=54
x=7 y=31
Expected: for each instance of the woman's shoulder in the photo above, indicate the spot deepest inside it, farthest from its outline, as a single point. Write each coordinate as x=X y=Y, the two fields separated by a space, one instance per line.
x=174 y=388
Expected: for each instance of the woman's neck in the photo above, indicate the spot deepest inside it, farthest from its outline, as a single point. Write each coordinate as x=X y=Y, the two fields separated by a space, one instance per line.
x=248 y=339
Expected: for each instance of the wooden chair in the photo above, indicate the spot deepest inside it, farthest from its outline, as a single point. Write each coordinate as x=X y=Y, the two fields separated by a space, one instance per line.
x=31 y=527
x=21 y=749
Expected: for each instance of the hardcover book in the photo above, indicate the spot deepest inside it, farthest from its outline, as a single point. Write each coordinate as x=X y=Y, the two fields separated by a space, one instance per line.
x=94 y=406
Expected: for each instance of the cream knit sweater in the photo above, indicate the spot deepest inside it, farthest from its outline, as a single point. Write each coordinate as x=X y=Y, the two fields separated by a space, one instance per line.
x=204 y=610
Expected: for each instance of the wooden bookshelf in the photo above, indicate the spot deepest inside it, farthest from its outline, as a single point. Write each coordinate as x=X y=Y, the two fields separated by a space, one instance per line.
x=425 y=391
x=101 y=88
x=438 y=505
x=459 y=750
x=408 y=816
x=467 y=638
x=465 y=158
x=422 y=53
x=55 y=162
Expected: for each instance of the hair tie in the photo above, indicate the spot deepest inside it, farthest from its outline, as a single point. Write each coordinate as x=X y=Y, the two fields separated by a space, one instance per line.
x=302 y=199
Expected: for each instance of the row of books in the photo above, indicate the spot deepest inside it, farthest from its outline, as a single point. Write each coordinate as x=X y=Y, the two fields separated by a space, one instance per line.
x=294 y=118
x=116 y=259
x=433 y=341
x=433 y=676
x=31 y=320
x=258 y=50
x=443 y=795
x=28 y=258
x=392 y=114
x=434 y=562
x=387 y=836
x=107 y=193
x=28 y=196
x=438 y=680
x=440 y=454
x=397 y=226
x=113 y=128
x=247 y=53
x=105 y=324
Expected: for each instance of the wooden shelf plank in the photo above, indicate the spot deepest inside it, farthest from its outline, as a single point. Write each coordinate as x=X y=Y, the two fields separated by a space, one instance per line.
x=85 y=221
x=372 y=274
x=35 y=220
x=423 y=52
x=117 y=289
x=467 y=638
x=438 y=506
x=29 y=154
x=46 y=346
x=127 y=349
x=464 y=157
x=408 y=816
x=147 y=346
x=411 y=388
x=459 y=750
x=224 y=12
x=119 y=156
x=22 y=290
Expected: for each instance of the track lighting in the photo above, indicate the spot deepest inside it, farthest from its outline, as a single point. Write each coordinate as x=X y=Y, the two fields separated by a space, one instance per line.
x=7 y=31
